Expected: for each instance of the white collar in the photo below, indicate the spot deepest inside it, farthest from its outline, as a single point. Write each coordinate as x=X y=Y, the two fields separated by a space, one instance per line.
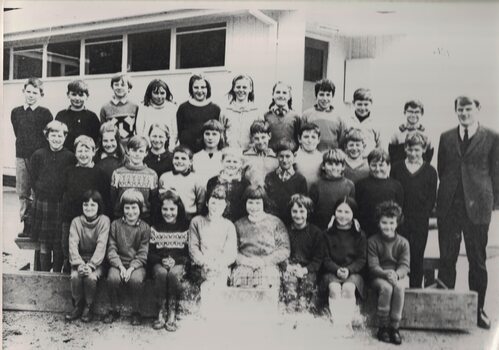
x=471 y=130
x=32 y=107
x=117 y=101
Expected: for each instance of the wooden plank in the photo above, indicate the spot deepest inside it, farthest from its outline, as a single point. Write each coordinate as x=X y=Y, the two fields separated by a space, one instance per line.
x=439 y=309
x=40 y=291
x=27 y=243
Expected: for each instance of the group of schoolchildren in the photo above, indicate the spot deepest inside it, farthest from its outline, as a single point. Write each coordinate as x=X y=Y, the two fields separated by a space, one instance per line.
x=225 y=196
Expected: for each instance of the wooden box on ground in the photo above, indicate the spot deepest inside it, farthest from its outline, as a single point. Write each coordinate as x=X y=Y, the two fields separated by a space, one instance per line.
x=439 y=309
x=51 y=292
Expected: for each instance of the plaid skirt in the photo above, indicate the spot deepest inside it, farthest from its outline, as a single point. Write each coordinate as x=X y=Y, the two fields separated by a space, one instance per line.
x=248 y=277
x=47 y=221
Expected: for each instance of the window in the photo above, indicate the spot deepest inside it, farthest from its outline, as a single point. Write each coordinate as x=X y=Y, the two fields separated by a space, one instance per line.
x=103 y=55
x=63 y=59
x=6 y=64
x=28 y=62
x=201 y=46
x=149 y=51
x=316 y=52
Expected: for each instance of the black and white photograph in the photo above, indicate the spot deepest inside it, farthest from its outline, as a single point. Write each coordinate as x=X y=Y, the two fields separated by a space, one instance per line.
x=253 y=175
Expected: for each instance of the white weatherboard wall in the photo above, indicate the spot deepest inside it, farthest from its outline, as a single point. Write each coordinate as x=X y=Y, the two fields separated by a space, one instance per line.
x=250 y=48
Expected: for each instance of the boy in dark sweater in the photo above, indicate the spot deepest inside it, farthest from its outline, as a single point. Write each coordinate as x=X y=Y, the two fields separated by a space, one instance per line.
x=413 y=112
x=419 y=180
x=331 y=186
x=28 y=122
x=376 y=188
x=80 y=121
x=284 y=182
x=388 y=260
x=78 y=179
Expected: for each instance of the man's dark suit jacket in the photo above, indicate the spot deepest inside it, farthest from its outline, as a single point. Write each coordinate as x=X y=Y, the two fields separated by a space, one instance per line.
x=479 y=168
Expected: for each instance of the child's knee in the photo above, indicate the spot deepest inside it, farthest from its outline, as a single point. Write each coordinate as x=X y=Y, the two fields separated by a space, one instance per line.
x=75 y=275
x=334 y=290
x=348 y=290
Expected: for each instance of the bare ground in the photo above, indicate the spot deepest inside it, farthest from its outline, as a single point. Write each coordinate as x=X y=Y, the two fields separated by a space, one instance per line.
x=34 y=330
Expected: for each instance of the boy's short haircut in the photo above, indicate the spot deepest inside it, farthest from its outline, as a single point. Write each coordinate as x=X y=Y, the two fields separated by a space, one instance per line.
x=378 y=155
x=415 y=139
x=119 y=77
x=362 y=94
x=86 y=141
x=196 y=77
x=218 y=192
x=353 y=134
x=162 y=127
x=35 y=82
x=302 y=201
x=137 y=142
x=232 y=151
x=465 y=100
x=334 y=155
x=55 y=125
x=389 y=209
x=310 y=126
x=132 y=196
x=183 y=149
x=284 y=145
x=414 y=104
x=324 y=85
x=95 y=196
x=78 y=86
x=259 y=127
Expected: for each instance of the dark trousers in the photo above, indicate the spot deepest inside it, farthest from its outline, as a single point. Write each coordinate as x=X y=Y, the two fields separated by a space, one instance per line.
x=475 y=240
x=415 y=229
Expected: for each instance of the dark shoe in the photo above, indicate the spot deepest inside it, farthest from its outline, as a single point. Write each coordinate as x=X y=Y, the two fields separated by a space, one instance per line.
x=86 y=316
x=136 y=319
x=75 y=313
x=395 y=336
x=483 y=320
x=66 y=267
x=23 y=234
x=384 y=335
x=111 y=317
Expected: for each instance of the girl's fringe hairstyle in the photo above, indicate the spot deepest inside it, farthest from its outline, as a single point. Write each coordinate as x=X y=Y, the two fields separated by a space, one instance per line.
x=154 y=86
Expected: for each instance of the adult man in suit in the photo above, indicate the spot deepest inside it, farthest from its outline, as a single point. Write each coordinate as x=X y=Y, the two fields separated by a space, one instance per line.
x=468 y=168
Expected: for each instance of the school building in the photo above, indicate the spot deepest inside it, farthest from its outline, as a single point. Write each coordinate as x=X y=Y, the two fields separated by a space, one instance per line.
x=401 y=52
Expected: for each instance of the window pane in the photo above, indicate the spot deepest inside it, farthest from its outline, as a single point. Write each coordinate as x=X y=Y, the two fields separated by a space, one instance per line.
x=63 y=59
x=205 y=49
x=316 y=52
x=313 y=64
x=28 y=62
x=149 y=51
x=103 y=58
x=6 y=64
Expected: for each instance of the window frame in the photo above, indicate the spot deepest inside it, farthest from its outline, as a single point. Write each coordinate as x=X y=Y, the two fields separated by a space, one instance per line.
x=123 y=34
